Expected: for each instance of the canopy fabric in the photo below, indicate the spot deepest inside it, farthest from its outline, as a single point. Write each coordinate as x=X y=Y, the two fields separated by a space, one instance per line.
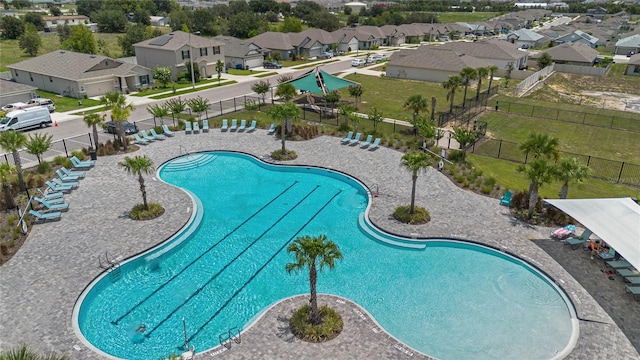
x=616 y=221
x=319 y=82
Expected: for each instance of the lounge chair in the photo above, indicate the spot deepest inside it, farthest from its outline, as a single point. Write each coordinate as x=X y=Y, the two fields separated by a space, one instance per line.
x=375 y=144
x=243 y=125
x=619 y=264
x=356 y=140
x=347 y=139
x=67 y=178
x=628 y=272
x=73 y=184
x=505 y=199
x=272 y=129
x=577 y=241
x=633 y=280
x=608 y=255
x=79 y=174
x=367 y=142
x=563 y=232
x=205 y=125
x=52 y=206
x=166 y=130
x=146 y=136
x=252 y=126
x=52 y=216
x=187 y=127
x=634 y=290
x=234 y=125
x=225 y=125
x=81 y=164
x=196 y=128
x=156 y=135
x=56 y=188
x=52 y=195
x=140 y=141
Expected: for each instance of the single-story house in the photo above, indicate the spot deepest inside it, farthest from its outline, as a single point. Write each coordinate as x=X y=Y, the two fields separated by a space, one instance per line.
x=312 y=42
x=278 y=44
x=430 y=63
x=175 y=50
x=627 y=44
x=526 y=38
x=633 y=66
x=240 y=53
x=15 y=92
x=497 y=52
x=366 y=37
x=573 y=54
x=578 y=36
x=51 y=22
x=394 y=36
x=78 y=75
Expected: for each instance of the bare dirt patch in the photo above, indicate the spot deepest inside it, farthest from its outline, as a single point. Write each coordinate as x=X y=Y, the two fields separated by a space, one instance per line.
x=615 y=100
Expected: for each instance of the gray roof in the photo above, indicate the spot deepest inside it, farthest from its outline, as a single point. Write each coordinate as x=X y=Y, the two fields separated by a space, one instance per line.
x=75 y=66
x=436 y=58
x=238 y=48
x=574 y=52
x=487 y=49
x=176 y=40
x=527 y=35
x=634 y=60
x=631 y=41
x=319 y=35
x=273 y=40
x=11 y=87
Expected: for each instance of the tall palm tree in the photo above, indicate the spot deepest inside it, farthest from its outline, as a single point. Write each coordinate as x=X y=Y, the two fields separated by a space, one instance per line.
x=467 y=74
x=5 y=171
x=284 y=113
x=451 y=85
x=38 y=144
x=417 y=104
x=569 y=170
x=138 y=166
x=315 y=253
x=158 y=111
x=482 y=73
x=538 y=172
x=120 y=111
x=415 y=162
x=12 y=141
x=93 y=121
x=492 y=70
x=541 y=148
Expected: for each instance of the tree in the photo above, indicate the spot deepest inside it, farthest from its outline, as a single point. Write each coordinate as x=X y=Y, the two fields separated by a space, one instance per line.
x=162 y=74
x=349 y=114
x=376 y=117
x=324 y=20
x=81 y=40
x=38 y=144
x=93 y=121
x=135 y=33
x=284 y=113
x=87 y=7
x=35 y=19
x=11 y=27
x=120 y=111
x=286 y=92
x=219 y=69
x=141 y=17
x=417 y=104
x=290 y=25
x=158 y=111
x=426 y=128
x=482 y=73
x=415 y=162
x=542 y=148
x=467 y=74
x=492 y=70
x=464 y=137
x=138 y=166
x=261 y=88
x=12 y=141
x=110 y=20
x=569 y=170
x=452 y=84
x=55 y=11
x=314 y=253
x=30 y=41
x=64 y=32
x=6 y=170
x=25 y=353
x=177 y=106
x=198 y=105
x=244 y=24
x=355 y=91
x=538 y=172
x=187 y=70
x=433 y=108
x=539 y=145
x=544 y=60
x=332 y=97
x=507 y=75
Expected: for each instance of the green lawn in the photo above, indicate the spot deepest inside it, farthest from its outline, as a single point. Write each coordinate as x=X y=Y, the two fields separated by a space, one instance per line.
x=177 y=86
x=170 y=94
x=64 y=103
x=243 y=72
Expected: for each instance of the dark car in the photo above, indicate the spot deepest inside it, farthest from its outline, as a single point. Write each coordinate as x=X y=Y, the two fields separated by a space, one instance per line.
x=112 y=127
x=631 y=53
x=272 y=65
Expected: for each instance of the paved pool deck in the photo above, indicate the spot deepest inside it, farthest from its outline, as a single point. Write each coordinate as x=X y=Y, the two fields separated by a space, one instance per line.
x=41 y=283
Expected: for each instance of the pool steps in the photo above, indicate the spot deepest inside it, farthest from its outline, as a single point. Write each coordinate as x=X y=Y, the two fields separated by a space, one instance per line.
x=364 y=226
x=190 y=161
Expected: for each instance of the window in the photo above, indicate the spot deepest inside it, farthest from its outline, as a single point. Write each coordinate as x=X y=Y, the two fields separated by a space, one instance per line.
x=203 y=52
x=50 y=79
x=143 y=79
x=185 y=54
x=216 y=50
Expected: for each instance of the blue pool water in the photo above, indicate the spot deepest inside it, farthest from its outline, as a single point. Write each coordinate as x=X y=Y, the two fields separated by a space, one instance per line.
x=451 y=300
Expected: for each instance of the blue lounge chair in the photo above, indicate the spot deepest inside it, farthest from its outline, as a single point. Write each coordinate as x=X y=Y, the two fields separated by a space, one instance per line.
x=196 y=127
x=140 y=141
x=52 y=216
x=234 y=125
x=375 y=144
x=156 y=135
x=146 y=136
x=628 y=273
x=634 y=290
x=187 y=127
x=505 y=199
x=225 y=125
x=79 y=174
x=619 y=264
x=81 y=164
x=205 y=125
x=347 y=139
x=73 y=184
x=582 y=239
x=52 y=206
x=367 y=142
x=66 y=178
x=634 y=280
x=52 y=196
x=56 y=188
x=356 y=140
x=166 y=130
x=608 y=255
x=243 y=125
x=272 y=129
x=252 y=126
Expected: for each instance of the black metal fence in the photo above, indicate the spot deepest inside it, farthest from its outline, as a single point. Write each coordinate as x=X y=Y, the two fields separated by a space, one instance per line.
x=610 y=170
x=463 y=115
x=62 y=147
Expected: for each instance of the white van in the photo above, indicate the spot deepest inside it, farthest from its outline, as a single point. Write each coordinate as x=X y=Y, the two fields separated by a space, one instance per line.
x=26 y=118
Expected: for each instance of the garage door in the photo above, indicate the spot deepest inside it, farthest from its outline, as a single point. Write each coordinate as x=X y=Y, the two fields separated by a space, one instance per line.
x=254 y=62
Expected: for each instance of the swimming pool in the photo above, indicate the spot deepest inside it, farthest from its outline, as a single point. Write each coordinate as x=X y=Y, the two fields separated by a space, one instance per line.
x=448 y=299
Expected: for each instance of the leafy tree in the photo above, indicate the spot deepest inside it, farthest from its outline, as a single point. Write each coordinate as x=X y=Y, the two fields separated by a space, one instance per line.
x=569 y=170
x=81 y=40
x=348 y=112
x=376 y=117
x=324 y=20
x=164 y=6
x=284 y=113
x=138 y=166
x=63 y=31
x=492 y=70
x=11 y=27
x=426 y=128
x=38 y=144
x=451 y=85
x=120 y=111
x=415 y=162
x=12 y=141
x=6 y=170
x=482 y=73
x=93 y=121
x=464 y=137
x=544 y=60
x=158 y=111
x=305 y=10
x=243 y=24
x=467 y=74
x=110 y=20
x=134 y=34
x=347 y=10
x=21 y=4
x=30 y=41
x=290 y=24
x=417 y=104
x=286 y=91
x=35 y=19
x=162 y=74
x=198 y=105
x=187 y=72
x=219 y=69
x=55 y=11
x=314 y=253
x=87 y=7
x=263 y=6
x=179 y=19
x=542 y=148
x=142 y=17
x=332 y=97
x=356 y=92
x=261 y=88
x=239 y=6
x=177 y=106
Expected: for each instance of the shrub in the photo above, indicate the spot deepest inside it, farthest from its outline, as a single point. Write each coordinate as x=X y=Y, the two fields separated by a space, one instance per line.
x=78 y=153
x=288 y=155
x=330 y=324
x=490 y=181
x=44 y=167
x=419 y=216
x=139 y=213
x=456 y=156
x=486 y=189
x=344 y=127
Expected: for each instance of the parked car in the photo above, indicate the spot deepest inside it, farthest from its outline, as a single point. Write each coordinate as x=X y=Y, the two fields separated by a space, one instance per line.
x=13 y=106
x=525 y=46
x=111 y=127
x=631 y=53
x=20 y=119
x=325 y=55
x=358 y=62
x=43 y=102
x=272 y=65
x=444 y=38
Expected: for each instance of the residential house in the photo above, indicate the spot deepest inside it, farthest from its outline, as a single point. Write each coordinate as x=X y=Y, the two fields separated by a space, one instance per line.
x=633 y=66
x=627 y=44
x=497 y=52
x=277 y=44
x=241 y=54
x=175 y=50
x=525 y=38
x=573 y=54
x=578 y=36
x=159 y=20
x=430 y=63
x=394 y=36
x=78 y=75
x=312 y=42
x=366 y=36
x=597 y=12
x=9 y=12
x=413 y=34
x=15 y=92
x=51 y=22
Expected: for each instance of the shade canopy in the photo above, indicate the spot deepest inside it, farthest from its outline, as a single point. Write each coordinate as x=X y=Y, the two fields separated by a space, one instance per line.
x=616 y=221
x=319 y=82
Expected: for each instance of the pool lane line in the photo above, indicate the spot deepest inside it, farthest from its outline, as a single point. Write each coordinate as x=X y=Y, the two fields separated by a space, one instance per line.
x=215 y=276
x=115 y=322
x=259 y=270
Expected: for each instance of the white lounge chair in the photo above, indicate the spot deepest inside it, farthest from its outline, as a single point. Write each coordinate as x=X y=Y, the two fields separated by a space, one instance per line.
x=166 y=130
x=367 y=142
x=272 y=129
x=252 y=126
x=375 y=145
x=205 y=125
x=187 y=127
x=243 y=125
x=347 y=139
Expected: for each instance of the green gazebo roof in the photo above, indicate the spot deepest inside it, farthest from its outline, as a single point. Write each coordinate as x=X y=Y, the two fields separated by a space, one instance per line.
x=319 y=82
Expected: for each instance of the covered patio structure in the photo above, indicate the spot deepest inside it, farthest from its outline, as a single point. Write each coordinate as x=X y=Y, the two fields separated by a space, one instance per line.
x=319 y=82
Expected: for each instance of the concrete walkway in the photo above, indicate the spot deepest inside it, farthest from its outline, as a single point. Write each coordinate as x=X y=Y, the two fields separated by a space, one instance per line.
x=41 y=283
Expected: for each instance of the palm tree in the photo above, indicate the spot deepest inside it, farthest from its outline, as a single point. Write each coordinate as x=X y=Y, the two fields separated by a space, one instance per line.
x=482 y=73
x=286 y=92
x=120 y=111
x=570 y=170
x=25 y=353
x=452 y=84
x=417 y=104
x=158 y=111
x=284 y=113
x=38 y=144
x=542 y=148
x=315 y=253
x=415 y=162
x=93 y=121
x=12 y=141
x=138 y=166
x=177 y=106
x=492 y=70
x=467 y=74
x=5 y=171
x=538 y=172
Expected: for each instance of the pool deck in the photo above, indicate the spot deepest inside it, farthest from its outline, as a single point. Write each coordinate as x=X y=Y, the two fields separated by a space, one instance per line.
x=41 y=283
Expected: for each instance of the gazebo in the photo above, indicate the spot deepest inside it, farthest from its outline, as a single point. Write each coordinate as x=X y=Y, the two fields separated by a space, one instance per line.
x=319 y=82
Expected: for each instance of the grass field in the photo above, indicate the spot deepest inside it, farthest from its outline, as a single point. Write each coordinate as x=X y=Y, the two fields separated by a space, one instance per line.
x=64 y=103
